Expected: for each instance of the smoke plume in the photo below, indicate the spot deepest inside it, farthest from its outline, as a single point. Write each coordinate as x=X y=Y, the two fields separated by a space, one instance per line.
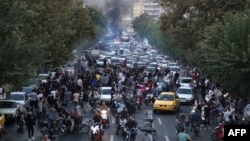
x=116 y=10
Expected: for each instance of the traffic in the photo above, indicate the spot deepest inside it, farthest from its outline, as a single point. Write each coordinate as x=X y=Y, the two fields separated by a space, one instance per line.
x=120 y=90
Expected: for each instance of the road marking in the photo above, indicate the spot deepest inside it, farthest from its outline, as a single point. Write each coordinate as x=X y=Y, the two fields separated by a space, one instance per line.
x=159 y=120
x=113 y=120
x=166 y=138
x=111 y=138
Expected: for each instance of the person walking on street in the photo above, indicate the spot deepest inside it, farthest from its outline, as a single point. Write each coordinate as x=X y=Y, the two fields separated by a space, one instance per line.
x=147 y=137
x=30 y=123
x=182 y=136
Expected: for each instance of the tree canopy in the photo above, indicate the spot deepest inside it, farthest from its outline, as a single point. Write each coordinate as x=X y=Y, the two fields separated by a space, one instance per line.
x=225 y=52
x=147 y=28
x=40 y=34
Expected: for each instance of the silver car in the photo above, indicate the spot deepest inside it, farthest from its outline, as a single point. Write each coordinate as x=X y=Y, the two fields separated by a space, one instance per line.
x=185 y=94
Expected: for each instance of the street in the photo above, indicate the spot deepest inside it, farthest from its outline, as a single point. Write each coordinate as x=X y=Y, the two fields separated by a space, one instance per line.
x=164 y=124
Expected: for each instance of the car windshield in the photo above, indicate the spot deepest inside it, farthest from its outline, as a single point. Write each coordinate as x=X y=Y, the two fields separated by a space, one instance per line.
x=186 y=80
x=106 y=91
x=175 y=69
x=115 y=61
x=184 y=91
x=17 y=97
x=150 y=69
x=27 y=89
x=7 y=104
x=166 y=97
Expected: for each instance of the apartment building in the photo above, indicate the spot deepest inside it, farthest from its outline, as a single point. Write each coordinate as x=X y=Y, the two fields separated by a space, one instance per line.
x=151 y=7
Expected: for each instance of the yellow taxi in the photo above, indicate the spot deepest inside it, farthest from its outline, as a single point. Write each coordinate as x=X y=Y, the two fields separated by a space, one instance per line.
x=167 y=101
x=2 y=122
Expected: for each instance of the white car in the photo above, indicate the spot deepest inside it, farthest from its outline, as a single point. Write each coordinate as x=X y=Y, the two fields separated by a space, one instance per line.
x=186 y=81
x=9 y=108
x=174 y=69
x=19 y=97
x=185 y=94
x=105 y=94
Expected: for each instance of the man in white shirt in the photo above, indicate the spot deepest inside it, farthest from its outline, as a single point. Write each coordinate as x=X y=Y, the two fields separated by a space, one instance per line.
x=226 y=118
x=147 y=137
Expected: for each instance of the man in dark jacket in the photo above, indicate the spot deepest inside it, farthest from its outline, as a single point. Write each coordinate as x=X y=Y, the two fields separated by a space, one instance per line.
x=30 y=123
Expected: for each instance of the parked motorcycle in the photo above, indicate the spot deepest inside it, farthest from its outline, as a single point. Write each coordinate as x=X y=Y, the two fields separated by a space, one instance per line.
x=218 y=134
x=96 y=134
x=105 y=120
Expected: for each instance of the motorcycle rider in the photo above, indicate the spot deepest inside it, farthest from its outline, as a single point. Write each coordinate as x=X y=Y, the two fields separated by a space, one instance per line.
x=73 y=117
x=104 y=107
x=97 y=120
x=131 y=123
x=180 y=121
x=123 y=115
x=182 y=136
x=195 y=118
x=52 y=115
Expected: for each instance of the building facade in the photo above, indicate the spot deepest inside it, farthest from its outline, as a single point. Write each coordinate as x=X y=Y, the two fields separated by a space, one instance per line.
x=151 y=7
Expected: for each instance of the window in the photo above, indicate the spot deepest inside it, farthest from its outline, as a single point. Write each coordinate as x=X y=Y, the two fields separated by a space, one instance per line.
x=184 y=91
x=106 y=91
x=166 y=97
x=186 y=80
x=7 y=105
x=17 y=97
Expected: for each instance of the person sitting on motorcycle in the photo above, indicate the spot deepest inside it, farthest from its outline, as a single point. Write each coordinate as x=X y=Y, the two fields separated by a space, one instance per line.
x=180 y=121
x=104 y=107
x=123 y=115
x=63 y=112
x=131 y=123
x=73 y=117
x=97 y=119
x=182 y=136
x=52 y=115
x=195 y=118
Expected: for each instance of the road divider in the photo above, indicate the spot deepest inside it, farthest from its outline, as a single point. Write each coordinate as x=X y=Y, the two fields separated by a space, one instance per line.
x=159 y=120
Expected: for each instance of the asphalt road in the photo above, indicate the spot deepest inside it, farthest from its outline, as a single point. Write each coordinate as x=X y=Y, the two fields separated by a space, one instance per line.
x=164 y=124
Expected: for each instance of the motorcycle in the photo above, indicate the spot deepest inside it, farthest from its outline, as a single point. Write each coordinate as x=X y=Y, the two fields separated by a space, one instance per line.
x=95 y=103
x=148 y=99
x=96 y=134
x=80 y=125
x=104 y=121
x=196 y=128
x=138 y=102
x=130 y=134
x=218 y=134
x=57 y=128
x=21 y=120
x=123 y=125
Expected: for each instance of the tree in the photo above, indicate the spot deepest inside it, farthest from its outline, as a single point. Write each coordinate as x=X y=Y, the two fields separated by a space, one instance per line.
x=186 y=21
x=147 y=28
x=225 y=52
x=40 y=34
